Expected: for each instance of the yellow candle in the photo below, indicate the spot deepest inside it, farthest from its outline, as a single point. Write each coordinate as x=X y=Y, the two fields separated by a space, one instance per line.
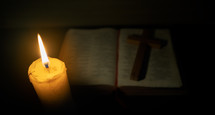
x=49 y=79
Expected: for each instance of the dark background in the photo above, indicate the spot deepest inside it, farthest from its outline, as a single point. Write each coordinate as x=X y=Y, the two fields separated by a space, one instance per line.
x=191 y=24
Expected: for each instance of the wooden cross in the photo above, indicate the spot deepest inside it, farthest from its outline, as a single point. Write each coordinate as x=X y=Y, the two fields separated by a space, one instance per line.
x=145 y=41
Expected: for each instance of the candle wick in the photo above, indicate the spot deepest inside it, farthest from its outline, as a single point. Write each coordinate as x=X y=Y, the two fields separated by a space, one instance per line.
x=46 y=65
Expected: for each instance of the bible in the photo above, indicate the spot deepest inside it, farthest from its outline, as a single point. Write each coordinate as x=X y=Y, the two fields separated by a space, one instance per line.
x=102 y=56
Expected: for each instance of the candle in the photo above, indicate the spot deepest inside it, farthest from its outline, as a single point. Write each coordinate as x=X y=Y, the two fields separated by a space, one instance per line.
x=49 y=78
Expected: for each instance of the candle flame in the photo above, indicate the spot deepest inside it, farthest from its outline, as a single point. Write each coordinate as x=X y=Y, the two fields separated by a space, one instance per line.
x=45 y=60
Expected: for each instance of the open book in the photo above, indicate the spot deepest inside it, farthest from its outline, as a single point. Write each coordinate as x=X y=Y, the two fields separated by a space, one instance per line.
x=104 y=57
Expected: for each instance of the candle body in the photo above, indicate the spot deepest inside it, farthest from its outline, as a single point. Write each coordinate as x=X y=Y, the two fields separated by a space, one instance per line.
x=51 y=84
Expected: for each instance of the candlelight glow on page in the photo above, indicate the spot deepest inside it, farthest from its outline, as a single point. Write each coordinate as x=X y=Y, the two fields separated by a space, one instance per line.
x=43 y=54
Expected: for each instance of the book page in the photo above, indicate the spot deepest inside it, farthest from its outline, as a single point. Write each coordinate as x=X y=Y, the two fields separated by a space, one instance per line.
x=162 y=68
x=90 y=56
